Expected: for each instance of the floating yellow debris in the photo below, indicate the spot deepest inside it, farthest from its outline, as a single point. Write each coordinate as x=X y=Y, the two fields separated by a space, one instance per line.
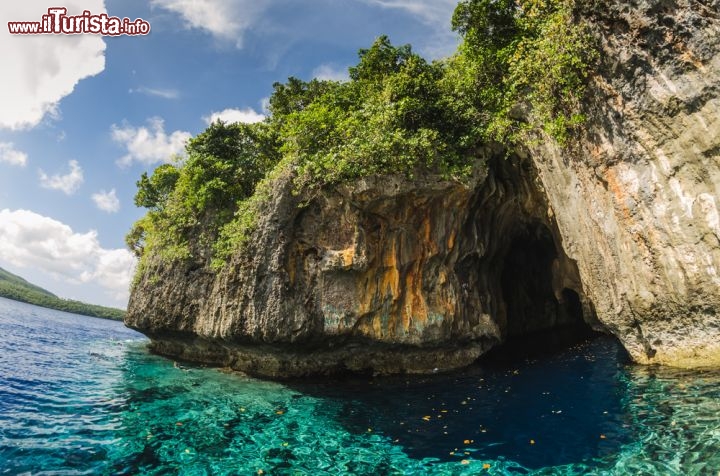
x=279 y=412
x=465 y=461
x=467 y=442
x=369 y=430
x=602 y=437
x=532 y=442
x=285 y=443
x=426 y=417
x=486 y=466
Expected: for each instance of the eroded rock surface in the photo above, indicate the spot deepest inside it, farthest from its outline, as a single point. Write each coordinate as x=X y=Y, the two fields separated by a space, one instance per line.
x=384 y=275
x=637 y=207
x=388 y=274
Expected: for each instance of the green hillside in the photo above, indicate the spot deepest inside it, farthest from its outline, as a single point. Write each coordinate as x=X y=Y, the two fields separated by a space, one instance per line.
x=16 y=288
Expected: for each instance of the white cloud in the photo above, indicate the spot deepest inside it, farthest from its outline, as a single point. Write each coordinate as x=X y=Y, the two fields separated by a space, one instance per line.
x=41 y=243
x=149 y=145
x=107 y=201
x=157 y=92
x=68 y=183
x=9 y=155
x=247 y=115
x=39 y=70
x=435 y=13
x=430 y=11
x=332 y=73
x=227 y=20
x=265 y=105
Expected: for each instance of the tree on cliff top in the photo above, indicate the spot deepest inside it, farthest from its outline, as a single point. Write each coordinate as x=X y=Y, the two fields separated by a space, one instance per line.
x=525 y=63
x=521 y=68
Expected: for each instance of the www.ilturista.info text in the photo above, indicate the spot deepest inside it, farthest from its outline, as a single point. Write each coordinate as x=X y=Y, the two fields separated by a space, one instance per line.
x=57 y=22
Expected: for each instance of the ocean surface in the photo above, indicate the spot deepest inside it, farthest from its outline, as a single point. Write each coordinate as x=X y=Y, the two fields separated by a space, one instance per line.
x=80 y=395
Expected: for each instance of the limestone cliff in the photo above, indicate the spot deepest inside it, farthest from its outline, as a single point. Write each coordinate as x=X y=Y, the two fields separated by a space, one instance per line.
x=637 y=208
x=388 y=274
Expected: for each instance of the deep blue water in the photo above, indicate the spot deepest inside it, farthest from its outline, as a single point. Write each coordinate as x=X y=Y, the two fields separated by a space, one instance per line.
x=83 y=396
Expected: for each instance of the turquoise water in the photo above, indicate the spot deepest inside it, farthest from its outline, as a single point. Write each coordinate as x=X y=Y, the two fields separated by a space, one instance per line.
x=83 y=396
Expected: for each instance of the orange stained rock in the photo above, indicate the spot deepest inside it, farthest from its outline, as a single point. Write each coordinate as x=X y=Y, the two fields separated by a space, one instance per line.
x=291 y=263
x=426 y=228
x=451 y=240
x=430 y=246
x=618 y=192
x=683 y=52
x=389 y=257
x=378 y=284
x=392 y=299
x=347 y=256
x=688 y=57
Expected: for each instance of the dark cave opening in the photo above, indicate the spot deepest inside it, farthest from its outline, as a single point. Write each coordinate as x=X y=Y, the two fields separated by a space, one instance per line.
x=539 y=316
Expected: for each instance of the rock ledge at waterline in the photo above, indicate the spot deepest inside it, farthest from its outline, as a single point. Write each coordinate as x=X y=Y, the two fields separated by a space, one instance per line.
x=389 y=275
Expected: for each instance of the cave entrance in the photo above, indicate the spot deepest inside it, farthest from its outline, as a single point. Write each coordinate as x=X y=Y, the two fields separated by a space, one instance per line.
x=539 y=317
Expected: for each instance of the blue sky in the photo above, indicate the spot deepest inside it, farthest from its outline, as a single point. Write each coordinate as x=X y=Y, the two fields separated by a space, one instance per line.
x=82 y=116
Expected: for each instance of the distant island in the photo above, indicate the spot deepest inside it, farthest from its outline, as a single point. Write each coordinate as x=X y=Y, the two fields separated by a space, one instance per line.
x=16 y=288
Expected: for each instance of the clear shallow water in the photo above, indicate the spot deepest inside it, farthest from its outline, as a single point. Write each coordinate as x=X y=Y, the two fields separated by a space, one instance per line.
x=82 y=396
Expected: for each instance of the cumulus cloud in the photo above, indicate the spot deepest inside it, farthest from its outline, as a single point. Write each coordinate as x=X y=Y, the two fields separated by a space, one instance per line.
x=41 y=243
x=9 y=155
x=247 y=115
x=68 y=183
x=227 y=20
x=149 y=145
x=107 y=201
x=39 y=70
x=157 y=92
x=329 y=72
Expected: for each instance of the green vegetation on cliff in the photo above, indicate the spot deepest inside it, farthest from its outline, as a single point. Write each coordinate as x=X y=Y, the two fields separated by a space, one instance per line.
x=16 y=288
x=522 y=67
x=520 y=72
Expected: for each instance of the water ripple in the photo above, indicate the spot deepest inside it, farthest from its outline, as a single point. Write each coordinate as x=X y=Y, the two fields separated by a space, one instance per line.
x=83 y=396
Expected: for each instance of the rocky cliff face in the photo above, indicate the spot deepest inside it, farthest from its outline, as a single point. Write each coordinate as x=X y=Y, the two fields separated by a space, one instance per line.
x=388 y=274
x=637 y=207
